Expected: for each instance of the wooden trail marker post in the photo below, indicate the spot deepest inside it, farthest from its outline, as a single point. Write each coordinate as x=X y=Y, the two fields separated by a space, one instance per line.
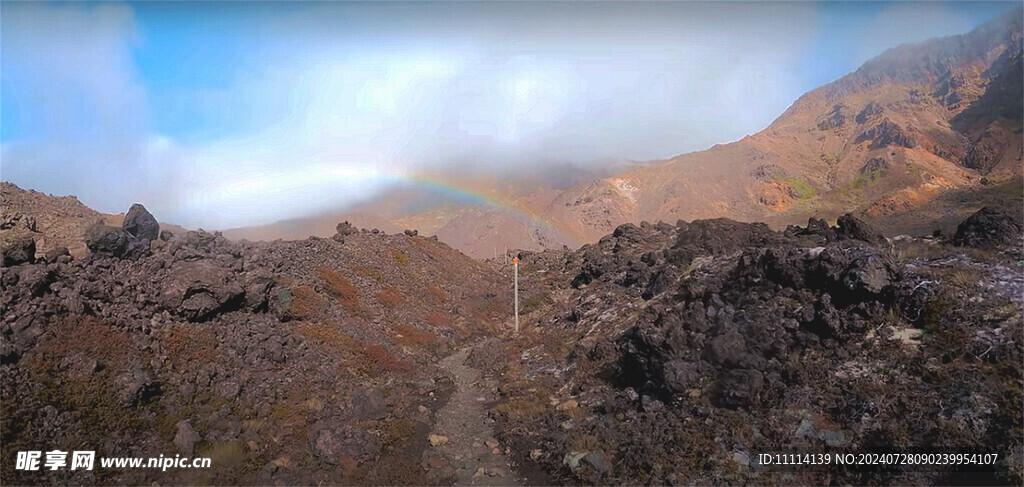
x=515 y=263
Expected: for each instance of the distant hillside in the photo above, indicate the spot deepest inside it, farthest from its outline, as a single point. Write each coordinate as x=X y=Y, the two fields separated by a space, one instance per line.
x=908 y=126
x=886 y=142
x=52 y=221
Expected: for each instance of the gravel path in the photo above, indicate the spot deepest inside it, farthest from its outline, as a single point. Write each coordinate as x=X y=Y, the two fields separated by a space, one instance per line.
x=464 y=435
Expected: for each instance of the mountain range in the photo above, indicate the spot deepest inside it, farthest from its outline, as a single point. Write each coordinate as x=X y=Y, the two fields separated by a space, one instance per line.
x=901 y=142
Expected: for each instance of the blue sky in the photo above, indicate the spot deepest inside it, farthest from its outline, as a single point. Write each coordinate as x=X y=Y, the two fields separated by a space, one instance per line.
x=235 y=113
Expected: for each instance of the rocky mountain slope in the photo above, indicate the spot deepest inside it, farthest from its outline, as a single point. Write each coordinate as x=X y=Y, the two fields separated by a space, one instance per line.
x=676 y=354
x=660 y=354
x=54 y=223
x=912 y=124
x=288 y=362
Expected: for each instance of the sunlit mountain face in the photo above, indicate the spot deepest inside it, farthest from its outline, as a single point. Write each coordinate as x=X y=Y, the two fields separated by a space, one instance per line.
x=238 y=114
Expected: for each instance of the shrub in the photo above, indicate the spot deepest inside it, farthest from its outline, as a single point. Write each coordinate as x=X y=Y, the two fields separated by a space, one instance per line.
x=367 y=272
x=399 y=256
x=367 y=358
x=189 y=344
x=439 y=295
x=375 y=360
x=390 y=297
x=306 y=304
x=409 y=336
x=89 y=336
x=327 y=334
x=340 y=286
x=436 y=319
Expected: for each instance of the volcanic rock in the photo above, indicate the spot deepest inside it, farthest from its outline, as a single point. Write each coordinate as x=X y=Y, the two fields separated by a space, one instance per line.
x=140 y=223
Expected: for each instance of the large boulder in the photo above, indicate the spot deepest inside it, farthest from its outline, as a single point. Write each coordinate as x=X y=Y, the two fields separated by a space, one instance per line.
x=986 y=228
x=19 y=251
x=105 y=239
x=200 y=290
x=140 y=223
x=849 y=227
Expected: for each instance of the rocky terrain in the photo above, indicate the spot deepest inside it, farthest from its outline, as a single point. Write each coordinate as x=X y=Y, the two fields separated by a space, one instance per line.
x=675 y=354
x=662 y=354
x=286 y=363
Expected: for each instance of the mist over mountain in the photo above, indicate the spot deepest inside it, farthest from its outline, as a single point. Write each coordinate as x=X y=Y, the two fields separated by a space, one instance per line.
x=282 y=111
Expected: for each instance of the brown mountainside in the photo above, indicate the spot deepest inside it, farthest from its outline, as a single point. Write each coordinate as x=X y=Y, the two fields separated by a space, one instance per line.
x=914 y=123
x=919 y=135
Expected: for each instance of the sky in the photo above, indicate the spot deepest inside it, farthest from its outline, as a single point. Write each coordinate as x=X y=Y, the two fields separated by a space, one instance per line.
x=219 y=115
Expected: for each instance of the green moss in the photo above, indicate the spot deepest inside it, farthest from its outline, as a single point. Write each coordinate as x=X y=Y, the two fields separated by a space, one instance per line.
x=801 y=187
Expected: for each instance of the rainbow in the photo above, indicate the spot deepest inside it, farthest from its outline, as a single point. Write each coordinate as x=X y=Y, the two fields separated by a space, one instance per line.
x=481 y=198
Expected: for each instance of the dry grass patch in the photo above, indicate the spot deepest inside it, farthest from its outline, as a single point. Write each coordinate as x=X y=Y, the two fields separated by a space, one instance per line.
x=90 y=337
x=439 y=295
x=399 y=256
x=190 y=344
x=390 y=297
x=436 y=319
x=366 y=272
x=341 y=287
x=375 y=360
x=306 y=304
x=327 y=334
x=414 y=337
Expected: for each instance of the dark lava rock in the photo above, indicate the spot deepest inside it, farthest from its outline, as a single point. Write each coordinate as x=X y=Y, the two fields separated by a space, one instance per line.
x=368 y=403
x=345 y=229
x=682 y=375
x=105 y=239
x=200 y=290
x=19 y=251
x=988 y=227
x=186 y=438
x=140 y=223
x=851 y=227
x=37 y=278
x=739 y=387
x=330 y=443
x=412 y=233
x=887 y=133
x=136 y=386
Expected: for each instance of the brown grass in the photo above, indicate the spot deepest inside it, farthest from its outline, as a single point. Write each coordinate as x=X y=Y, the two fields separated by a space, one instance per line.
x=409 y=337
x=306 y=304
x=190 y=344
x=439 y=295
x=375 y=360
x=436 y=319
x=364 y=357
x=367 y=273
x=390 y=297
x=327 y=334
x=91 y=337
x=341 y=287
x=399 y=256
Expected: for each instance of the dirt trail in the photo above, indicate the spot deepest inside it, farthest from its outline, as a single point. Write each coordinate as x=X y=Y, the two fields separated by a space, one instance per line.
x=470 y=447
